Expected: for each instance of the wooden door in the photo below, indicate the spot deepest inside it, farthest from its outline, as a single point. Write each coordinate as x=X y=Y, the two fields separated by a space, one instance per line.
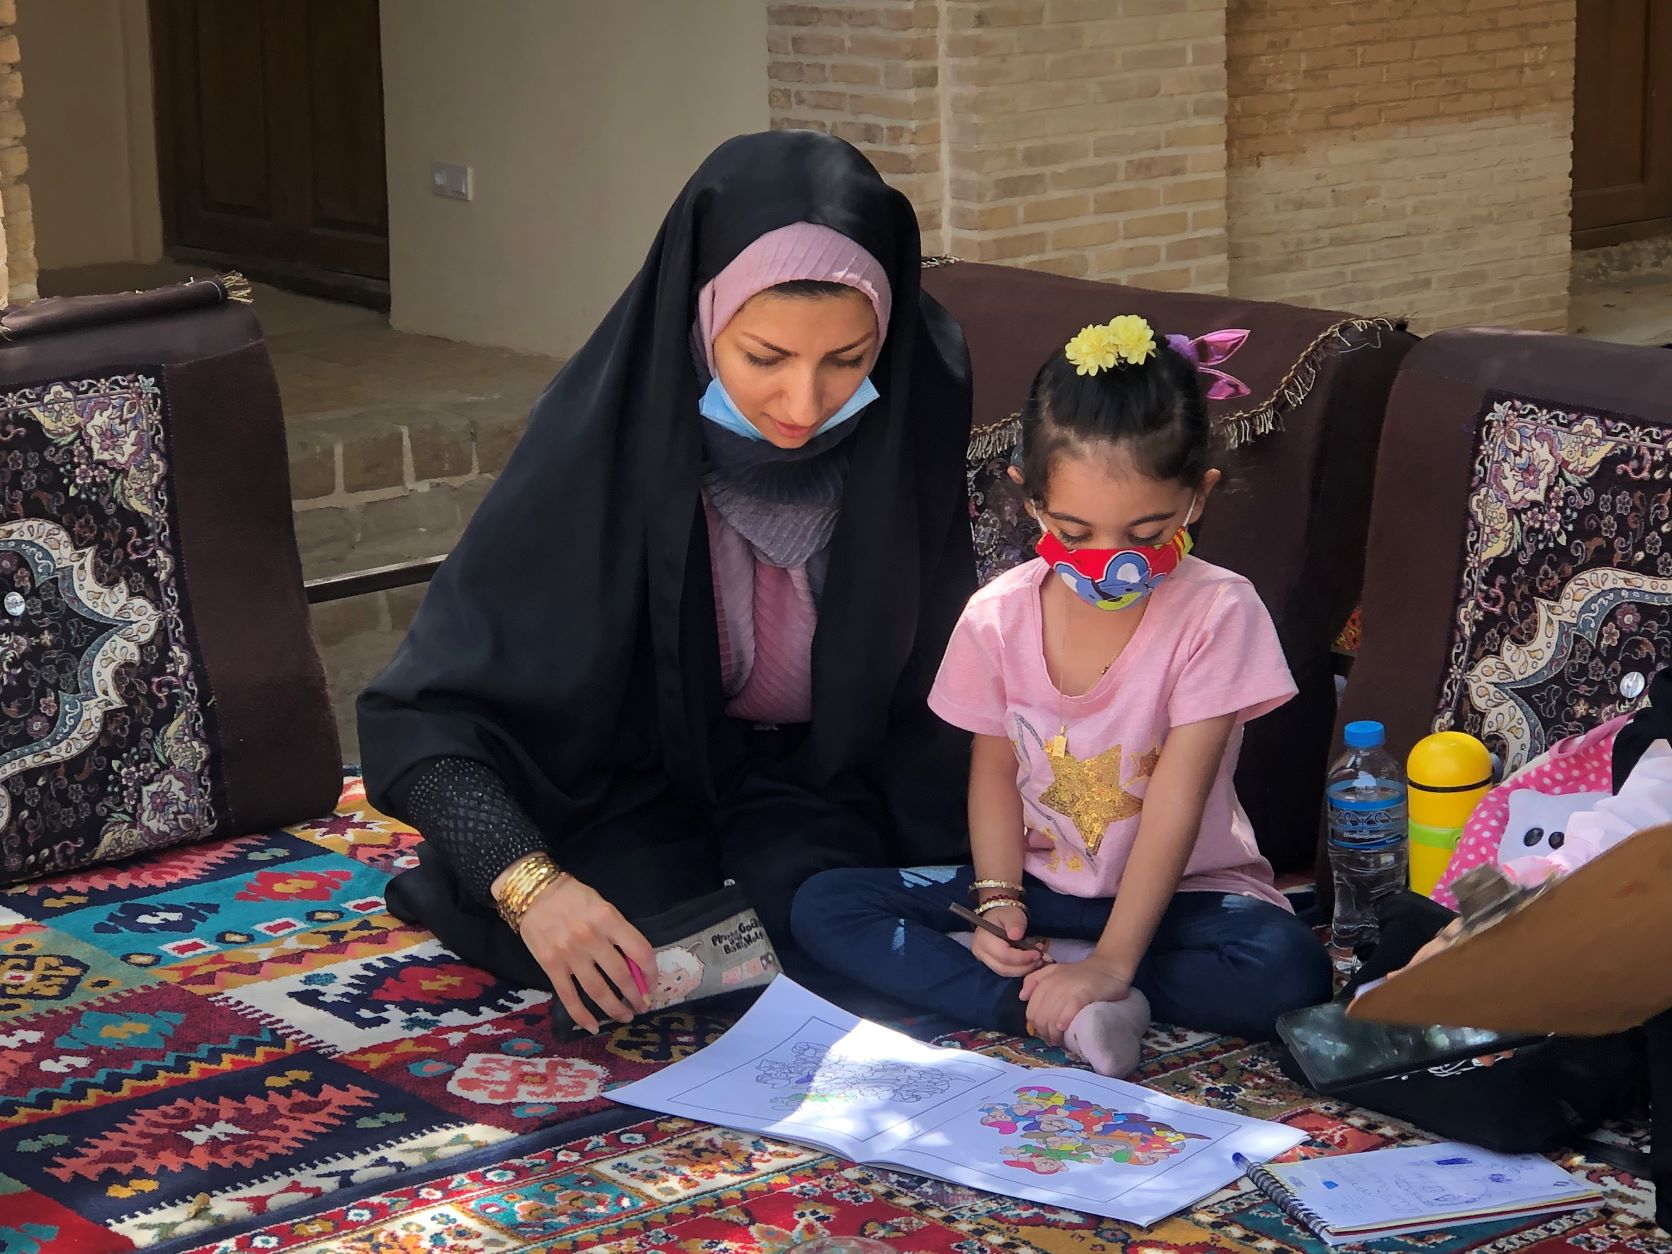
x=1622 y=121
x=270 y=138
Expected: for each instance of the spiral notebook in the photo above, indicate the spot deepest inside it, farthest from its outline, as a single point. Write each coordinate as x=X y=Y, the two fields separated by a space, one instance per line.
x=1350 y=1198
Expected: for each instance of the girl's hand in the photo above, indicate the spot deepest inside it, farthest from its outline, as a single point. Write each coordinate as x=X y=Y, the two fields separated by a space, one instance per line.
x=1058 y=992
x=1006 y=960
x=578 y=938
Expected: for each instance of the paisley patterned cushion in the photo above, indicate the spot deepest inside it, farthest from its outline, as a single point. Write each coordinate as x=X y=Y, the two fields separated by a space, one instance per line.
x=158 y=678
x=1003 y=532
x=1565 y=599
x=1519 y=576
x=102 y=718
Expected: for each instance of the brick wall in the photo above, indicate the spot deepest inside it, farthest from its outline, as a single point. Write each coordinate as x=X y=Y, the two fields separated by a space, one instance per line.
x=1408 y=156
x=1077 y=136
x=1403 y=156
x=17 y=243
x=869 y=73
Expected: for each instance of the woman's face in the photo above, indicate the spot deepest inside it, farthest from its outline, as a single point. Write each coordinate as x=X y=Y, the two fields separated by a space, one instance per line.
x=790 y=362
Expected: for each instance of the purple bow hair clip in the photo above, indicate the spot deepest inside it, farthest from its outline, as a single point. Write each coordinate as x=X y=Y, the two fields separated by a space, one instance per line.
x=1208 y=351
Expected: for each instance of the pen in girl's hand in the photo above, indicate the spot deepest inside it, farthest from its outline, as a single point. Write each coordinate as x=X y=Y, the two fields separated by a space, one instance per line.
x=1038 y=943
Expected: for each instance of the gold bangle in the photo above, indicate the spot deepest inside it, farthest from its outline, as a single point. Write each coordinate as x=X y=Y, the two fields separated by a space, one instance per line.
x=980 y=885
x=516 y=907
x=524 y=872
x=993 y=903
x=526 y=885
x=527 y=878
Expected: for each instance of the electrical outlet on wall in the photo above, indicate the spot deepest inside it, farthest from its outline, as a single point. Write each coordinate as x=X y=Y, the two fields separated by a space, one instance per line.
x=450 y=180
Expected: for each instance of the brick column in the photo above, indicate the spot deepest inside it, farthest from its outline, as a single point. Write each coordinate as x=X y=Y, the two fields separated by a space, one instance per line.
x=17 y=244
x=1088 y=138
x=1404 y=156
x=866 y=71
x=1078 y=136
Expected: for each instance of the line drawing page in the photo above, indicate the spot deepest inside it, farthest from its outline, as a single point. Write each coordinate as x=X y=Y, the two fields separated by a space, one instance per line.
x=798 y=1068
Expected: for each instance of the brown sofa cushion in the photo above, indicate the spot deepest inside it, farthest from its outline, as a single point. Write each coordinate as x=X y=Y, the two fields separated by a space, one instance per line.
x=159 y=680
x=1520 y=583
x=1292 y=518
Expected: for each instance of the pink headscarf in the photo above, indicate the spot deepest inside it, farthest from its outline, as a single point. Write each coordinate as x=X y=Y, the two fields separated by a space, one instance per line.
x=803 y=250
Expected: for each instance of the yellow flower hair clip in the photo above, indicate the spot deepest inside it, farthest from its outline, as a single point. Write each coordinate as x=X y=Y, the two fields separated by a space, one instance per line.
x=1126 y=340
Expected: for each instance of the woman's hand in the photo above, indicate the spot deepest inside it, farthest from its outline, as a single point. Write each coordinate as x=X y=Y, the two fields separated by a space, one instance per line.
x=999 y=957
x=1058 y=992
x=579 y=938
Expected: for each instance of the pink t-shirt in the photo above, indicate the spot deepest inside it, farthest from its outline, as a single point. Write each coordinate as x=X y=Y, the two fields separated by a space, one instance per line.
x=1206 y=647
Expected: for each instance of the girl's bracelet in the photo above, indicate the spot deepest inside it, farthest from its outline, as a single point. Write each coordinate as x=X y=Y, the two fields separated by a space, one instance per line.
x=993 y=903
x=980 y=886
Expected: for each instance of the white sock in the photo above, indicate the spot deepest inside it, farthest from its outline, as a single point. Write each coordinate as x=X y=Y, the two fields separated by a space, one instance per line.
x=1110 y=1034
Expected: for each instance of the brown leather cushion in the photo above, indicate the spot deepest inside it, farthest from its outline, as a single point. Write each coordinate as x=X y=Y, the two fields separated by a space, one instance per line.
x=160 y=679
x=1293 y=515
x=1520 y=583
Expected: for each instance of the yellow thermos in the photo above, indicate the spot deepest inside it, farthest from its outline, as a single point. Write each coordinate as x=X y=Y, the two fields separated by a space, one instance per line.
x=1448 y=773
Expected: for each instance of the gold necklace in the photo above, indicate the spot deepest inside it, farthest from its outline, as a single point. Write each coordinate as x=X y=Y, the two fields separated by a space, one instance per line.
x=1057 y=746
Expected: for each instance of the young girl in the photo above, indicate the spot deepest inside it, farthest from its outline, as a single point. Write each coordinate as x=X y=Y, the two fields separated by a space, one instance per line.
x=1107 y=706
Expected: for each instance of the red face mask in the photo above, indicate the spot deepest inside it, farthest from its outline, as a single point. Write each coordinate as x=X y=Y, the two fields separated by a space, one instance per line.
x=1115 y=579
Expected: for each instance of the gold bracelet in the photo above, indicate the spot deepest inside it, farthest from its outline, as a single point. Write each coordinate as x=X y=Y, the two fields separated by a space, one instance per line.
x=993 y=903
x=523 y=871
x=529 y=882
x=979 y=885
x=527 y=878
x=515 y=907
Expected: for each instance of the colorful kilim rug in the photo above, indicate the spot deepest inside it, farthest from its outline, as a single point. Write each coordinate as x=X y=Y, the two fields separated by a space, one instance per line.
x=233 y=1047
x=669 y=1185
x=213 y=1033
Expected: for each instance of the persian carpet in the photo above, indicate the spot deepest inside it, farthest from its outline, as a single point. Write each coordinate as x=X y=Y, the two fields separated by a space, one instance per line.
x=216 y=1032
x=670 y=1185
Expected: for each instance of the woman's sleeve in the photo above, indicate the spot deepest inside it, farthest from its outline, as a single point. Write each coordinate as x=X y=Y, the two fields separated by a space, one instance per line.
x=465 y=810
x=923 y=770
x=1234 y=663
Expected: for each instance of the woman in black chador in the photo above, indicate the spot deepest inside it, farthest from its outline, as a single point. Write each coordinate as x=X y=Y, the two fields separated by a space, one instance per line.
x=688 y=636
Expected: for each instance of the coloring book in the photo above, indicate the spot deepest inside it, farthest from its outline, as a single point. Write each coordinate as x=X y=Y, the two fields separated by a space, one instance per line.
x=798 y=1068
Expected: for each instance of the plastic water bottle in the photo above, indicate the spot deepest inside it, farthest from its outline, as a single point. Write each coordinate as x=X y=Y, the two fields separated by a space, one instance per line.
x=1367 y=851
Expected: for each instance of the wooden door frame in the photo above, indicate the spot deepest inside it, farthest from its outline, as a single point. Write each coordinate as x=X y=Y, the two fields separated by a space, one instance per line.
x=1658 y=131
x=166 y=60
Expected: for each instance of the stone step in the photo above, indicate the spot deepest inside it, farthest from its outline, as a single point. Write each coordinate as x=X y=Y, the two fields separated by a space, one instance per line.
x=376 y=488
x=370 y=489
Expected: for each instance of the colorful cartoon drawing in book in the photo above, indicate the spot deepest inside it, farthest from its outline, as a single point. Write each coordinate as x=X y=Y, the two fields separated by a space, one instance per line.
x=1060 y=1130
x=814 y=1074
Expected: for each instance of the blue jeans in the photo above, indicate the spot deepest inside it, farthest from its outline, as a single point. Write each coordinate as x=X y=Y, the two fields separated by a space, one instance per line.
x=1219 y=962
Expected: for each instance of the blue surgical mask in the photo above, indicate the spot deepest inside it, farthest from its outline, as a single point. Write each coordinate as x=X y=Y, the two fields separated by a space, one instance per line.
x=717 y=406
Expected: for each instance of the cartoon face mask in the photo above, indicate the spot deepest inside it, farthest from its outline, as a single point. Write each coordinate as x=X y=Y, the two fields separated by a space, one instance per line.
x=1115 y=579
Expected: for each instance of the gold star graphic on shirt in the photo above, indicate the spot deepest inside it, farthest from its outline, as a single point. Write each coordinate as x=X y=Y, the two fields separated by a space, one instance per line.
x=1090 y=791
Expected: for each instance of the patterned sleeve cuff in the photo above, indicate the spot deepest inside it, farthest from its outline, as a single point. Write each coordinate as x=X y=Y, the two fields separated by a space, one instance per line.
x=465 y=809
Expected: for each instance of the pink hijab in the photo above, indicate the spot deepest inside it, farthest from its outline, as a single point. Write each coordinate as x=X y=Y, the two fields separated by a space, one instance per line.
x=803 y=250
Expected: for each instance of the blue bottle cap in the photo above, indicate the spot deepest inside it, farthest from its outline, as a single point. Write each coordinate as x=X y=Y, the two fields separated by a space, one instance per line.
x=1365 y=735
